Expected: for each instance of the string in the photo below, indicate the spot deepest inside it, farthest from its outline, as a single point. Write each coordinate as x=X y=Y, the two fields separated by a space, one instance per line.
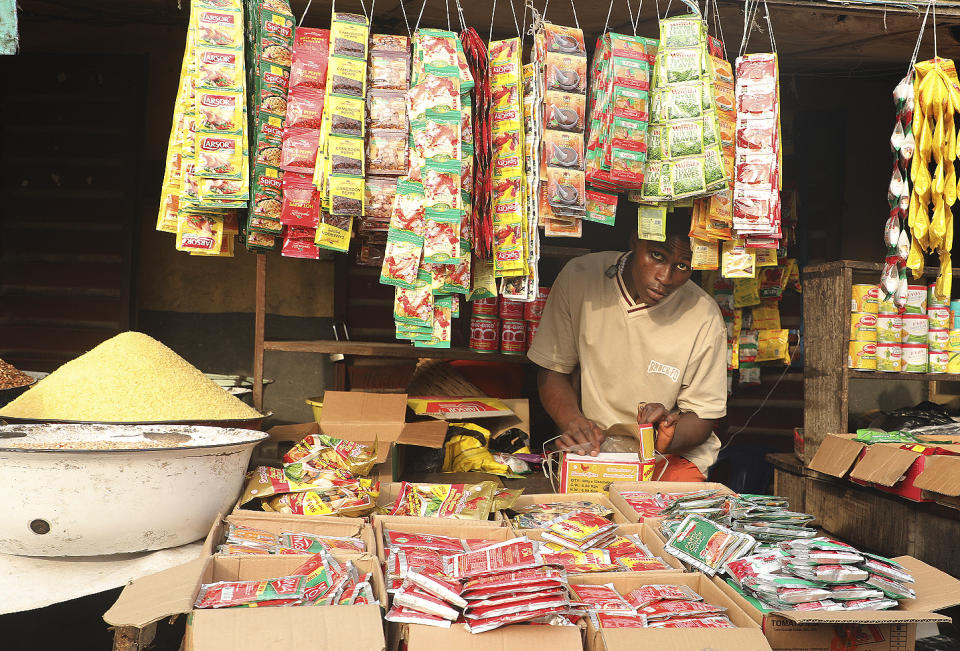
x=574 y=9
x=515 y=23
x=718 y=26
x=916 y=49
x=363 y=7
x=463 y=24
x=773 y=41
x=446 y=3
x=405 y=21
x=658 y=11
x=543 y=14
x=934 y=3
x=373 y=4
x=749 y=16
x=309 y=2
x=606 y=24
x=493 y=13
x=422 y=7
x=636 y=22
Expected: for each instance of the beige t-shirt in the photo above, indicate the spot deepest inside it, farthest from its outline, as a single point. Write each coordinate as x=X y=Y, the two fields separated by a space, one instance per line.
x=673 y=352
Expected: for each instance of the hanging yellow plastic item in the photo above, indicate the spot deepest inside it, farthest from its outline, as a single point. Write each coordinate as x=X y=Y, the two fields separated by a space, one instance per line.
x=466 y=450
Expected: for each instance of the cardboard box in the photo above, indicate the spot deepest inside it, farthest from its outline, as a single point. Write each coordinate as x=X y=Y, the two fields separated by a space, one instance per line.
x=647 y=536
x=277 y=523
x=509 y=638
x=390 y=491
x=597 y=498
x=587 y=474
x=656 y=487
x=465 y=529
x=940 y=480
x=298 y=628
x=746 y=637
x=881 y=630
x=884 y=466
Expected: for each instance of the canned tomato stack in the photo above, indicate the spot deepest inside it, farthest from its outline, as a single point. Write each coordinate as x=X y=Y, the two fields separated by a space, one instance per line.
x=485 y=326
x=533 y=311
x=864 y=306
x=513 y=330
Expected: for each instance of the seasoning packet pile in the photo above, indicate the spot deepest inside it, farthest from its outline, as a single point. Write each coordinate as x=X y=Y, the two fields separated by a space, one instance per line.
x=507 y=133
x=457 y=501
x=819 y=574
x=619 y=113
x=560 y=56
x=241 y=539
x=756 y=197
x=388 y=134
x=321 y=475
x=542 y=515
x=306 y=85
x=427 y=256
x=270 y=44
x=338 y=169
x=320 y=581
x=650 y=606
x=438 y=580
x=684 y=155
x=207 y=166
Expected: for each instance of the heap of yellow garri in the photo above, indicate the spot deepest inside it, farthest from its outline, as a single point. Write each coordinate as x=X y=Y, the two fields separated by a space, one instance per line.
x=129 y=378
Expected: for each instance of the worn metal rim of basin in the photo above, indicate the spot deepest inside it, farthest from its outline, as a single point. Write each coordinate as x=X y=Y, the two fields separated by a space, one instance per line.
x=197 y=437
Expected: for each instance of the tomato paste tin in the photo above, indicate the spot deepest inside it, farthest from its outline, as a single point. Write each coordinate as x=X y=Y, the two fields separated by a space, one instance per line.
x=914 y=358
x=863 y=355
x=938 y=341
x=510 y=309
x=485 y=307
x=863 y=326
x=484 y=334
x=531 y=332
x=938 y=361
x=916 y=299
x=889 y=357
x=939 y=317
x=865 y=298
x=533 y=310
x=915 y=328
x=889 y=329
x=513 y=338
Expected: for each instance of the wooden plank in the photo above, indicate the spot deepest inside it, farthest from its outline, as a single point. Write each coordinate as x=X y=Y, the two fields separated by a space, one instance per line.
x=926 y=377
x=791 y=486
x=375 y=349
x=259 y=321
x=71 y=340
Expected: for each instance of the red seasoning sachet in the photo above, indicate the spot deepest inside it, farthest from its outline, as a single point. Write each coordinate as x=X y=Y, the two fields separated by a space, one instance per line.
x=502 y=557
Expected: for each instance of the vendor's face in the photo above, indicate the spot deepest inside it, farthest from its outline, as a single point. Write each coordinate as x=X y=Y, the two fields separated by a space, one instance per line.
x=659 y=268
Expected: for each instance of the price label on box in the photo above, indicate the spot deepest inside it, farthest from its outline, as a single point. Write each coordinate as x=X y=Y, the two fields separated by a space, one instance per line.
x=588 y=474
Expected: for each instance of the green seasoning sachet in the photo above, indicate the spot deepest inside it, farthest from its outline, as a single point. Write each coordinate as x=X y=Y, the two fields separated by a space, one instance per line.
x=707 y=545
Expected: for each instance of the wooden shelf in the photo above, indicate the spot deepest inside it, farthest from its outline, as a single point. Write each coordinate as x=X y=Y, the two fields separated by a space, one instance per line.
x=378 y=349
x=884 y=375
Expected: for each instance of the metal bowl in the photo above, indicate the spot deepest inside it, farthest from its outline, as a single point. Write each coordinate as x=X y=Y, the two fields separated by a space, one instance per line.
x=9 y=395
x=253 y=423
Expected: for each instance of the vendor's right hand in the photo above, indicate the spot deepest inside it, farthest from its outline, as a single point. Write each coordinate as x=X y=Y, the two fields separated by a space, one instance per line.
x=581 y=432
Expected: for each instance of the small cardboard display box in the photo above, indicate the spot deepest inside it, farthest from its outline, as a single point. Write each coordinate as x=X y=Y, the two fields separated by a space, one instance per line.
x=381 y=417
x=863 y=630
x=277 y=523
x=596 y=498
x=466 y=529
x=746 y=637
x=940 y=480
x=296 y=628
x=509 y=638
x=889 y=467
x=616 y=489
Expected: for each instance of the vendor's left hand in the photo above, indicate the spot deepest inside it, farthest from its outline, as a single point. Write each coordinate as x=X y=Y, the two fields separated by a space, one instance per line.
x=663 y=420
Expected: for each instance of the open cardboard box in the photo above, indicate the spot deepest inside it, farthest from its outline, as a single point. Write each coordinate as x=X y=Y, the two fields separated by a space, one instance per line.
x=545 y=498
x=381 y=417
x=885 y=466
x=746 y=637
x=296 y=628
x=519 y=637
x=940 y=480
x=277 y=523
x=466 y=529
x=390 y=491
x=866 y=630
x=647 y=536
x=624 y=508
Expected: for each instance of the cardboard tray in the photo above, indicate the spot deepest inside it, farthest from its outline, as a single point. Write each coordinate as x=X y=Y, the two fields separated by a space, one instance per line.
x=277 y=523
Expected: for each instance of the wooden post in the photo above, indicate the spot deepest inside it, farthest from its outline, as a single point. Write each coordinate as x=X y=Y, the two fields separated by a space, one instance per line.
x=258 y=331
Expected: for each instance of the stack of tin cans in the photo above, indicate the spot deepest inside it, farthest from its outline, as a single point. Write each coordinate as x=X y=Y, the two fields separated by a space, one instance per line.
x=506 y=325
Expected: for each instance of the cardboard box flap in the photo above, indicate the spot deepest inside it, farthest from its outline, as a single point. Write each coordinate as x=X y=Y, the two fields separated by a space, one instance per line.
x=151 y=598
x=861 y=617
x=935 y=589
x=725 y=639
x=426 y=434
x=940 y=475
x=836 y=454
x=292 y=433
x=884 y=464
x=363 y=417
x=306 y=627
x=508 y=638
x=452 y=408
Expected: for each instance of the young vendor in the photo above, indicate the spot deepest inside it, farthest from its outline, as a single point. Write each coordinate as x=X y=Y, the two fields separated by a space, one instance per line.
x=629 y=336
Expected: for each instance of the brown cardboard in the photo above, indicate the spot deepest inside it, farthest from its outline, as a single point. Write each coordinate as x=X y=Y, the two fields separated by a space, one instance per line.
x=884 y=464
x=466 y=529
x=277 y=523
x=836 y=454
x=508 y=638
x=597 y=498
x=656 y=487
x=941 y=475
x=746 y=637
x=884 y=630
x=296 y=628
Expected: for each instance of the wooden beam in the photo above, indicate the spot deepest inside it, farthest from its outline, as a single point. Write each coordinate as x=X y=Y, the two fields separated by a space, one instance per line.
x=259 y=320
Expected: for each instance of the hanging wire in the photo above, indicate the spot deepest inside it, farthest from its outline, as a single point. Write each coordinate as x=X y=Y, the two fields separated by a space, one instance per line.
x=422 y=7
x=446 y=4
x=493 y=12
x=636 y=23
x=773 y=40
x=749 y=17
x=543 y=14
x=606 y=24
x=574 y=9
x=916 y=48
x=405 y=21
x=463 y=24
x=934 y=4
x=515 y=23
x=304 y=15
